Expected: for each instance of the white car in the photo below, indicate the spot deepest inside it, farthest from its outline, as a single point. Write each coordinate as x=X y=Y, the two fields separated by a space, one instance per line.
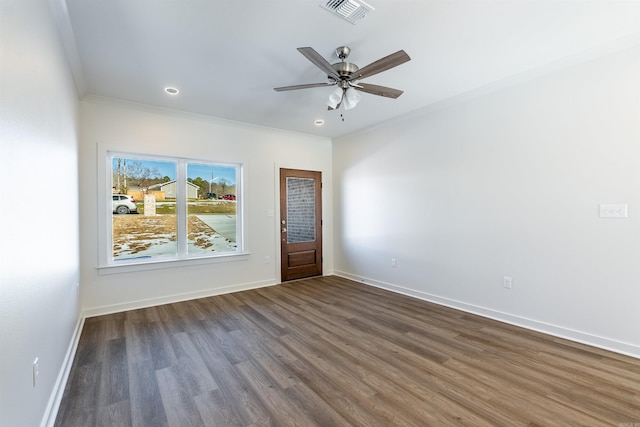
x=123 y=204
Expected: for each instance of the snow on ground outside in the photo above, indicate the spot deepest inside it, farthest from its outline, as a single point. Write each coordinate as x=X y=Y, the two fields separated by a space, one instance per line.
x=140 y=236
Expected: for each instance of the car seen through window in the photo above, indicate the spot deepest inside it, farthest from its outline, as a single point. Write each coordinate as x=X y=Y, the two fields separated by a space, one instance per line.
x=123 y=204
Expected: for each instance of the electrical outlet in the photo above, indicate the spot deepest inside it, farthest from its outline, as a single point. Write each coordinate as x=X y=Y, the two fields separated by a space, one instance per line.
x=394 y=262
x=507 y=282
x=36 y=372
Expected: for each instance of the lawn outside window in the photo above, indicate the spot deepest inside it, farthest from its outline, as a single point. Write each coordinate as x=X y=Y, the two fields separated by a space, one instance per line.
x=160 y=210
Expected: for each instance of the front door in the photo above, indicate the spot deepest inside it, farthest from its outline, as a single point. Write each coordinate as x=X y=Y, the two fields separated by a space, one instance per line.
x=300 y=223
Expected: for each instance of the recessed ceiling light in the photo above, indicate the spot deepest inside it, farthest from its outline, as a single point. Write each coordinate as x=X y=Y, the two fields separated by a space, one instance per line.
x=171 y=90
x=318 y=122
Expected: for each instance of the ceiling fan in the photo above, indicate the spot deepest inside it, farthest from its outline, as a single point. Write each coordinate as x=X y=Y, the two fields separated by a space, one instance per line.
x=346 y=76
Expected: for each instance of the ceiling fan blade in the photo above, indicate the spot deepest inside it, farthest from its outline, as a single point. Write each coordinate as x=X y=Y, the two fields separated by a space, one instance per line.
x=382 y=64
x=319 y=61
x=307 y=86
x=387 y=92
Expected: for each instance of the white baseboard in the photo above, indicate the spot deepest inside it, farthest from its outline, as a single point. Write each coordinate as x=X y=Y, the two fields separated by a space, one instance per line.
x=535 y=325
x=49 y=418
x=134 y=305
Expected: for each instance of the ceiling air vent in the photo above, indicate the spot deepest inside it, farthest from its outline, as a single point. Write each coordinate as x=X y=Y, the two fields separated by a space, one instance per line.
x=348 y=9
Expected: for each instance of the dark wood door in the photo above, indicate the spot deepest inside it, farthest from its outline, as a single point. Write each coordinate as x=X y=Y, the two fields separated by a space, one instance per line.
x=300 y=223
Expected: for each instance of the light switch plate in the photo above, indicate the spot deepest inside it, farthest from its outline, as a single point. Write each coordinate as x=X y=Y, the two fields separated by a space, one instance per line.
x=613 y=211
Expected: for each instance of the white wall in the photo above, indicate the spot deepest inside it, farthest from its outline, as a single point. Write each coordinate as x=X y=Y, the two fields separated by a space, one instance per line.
x=506 y=184
x=38 y=211
x=262 y=150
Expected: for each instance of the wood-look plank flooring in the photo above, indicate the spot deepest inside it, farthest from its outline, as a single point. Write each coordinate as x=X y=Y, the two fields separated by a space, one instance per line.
x=332 y=352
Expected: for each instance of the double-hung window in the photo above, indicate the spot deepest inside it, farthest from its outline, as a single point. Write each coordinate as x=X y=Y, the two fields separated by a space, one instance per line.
x=170 y=209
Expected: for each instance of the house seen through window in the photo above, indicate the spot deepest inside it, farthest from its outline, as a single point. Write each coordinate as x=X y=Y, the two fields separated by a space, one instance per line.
x=166 y=208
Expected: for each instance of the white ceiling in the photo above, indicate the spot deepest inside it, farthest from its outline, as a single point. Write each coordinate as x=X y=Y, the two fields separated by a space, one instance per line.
x=226 y=56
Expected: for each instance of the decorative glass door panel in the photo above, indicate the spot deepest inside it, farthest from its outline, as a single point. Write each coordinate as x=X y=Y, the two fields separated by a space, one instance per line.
x=301 y=208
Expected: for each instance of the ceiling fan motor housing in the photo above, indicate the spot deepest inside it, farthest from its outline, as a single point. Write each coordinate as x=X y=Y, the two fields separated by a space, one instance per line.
x=345 y=69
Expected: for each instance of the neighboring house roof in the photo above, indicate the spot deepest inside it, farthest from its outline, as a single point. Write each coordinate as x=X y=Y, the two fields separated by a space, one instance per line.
x=159 y=186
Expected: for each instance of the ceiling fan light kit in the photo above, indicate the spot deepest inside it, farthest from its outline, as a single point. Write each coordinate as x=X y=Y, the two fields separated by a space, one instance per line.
x=347 y=77
x=335 y=98
x=351 y=98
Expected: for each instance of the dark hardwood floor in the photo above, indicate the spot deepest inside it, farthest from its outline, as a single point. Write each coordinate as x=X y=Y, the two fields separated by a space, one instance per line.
x=332 y=352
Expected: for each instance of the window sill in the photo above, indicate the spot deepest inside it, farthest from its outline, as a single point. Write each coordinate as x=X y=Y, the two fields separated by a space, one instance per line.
x=131 y=267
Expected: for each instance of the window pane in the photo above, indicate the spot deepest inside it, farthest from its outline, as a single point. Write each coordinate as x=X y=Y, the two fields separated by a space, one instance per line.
x=144 y=215
x=301 y=210
x=211 y=208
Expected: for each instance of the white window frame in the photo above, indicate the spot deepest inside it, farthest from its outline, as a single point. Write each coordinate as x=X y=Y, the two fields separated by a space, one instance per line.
x=106 y=263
